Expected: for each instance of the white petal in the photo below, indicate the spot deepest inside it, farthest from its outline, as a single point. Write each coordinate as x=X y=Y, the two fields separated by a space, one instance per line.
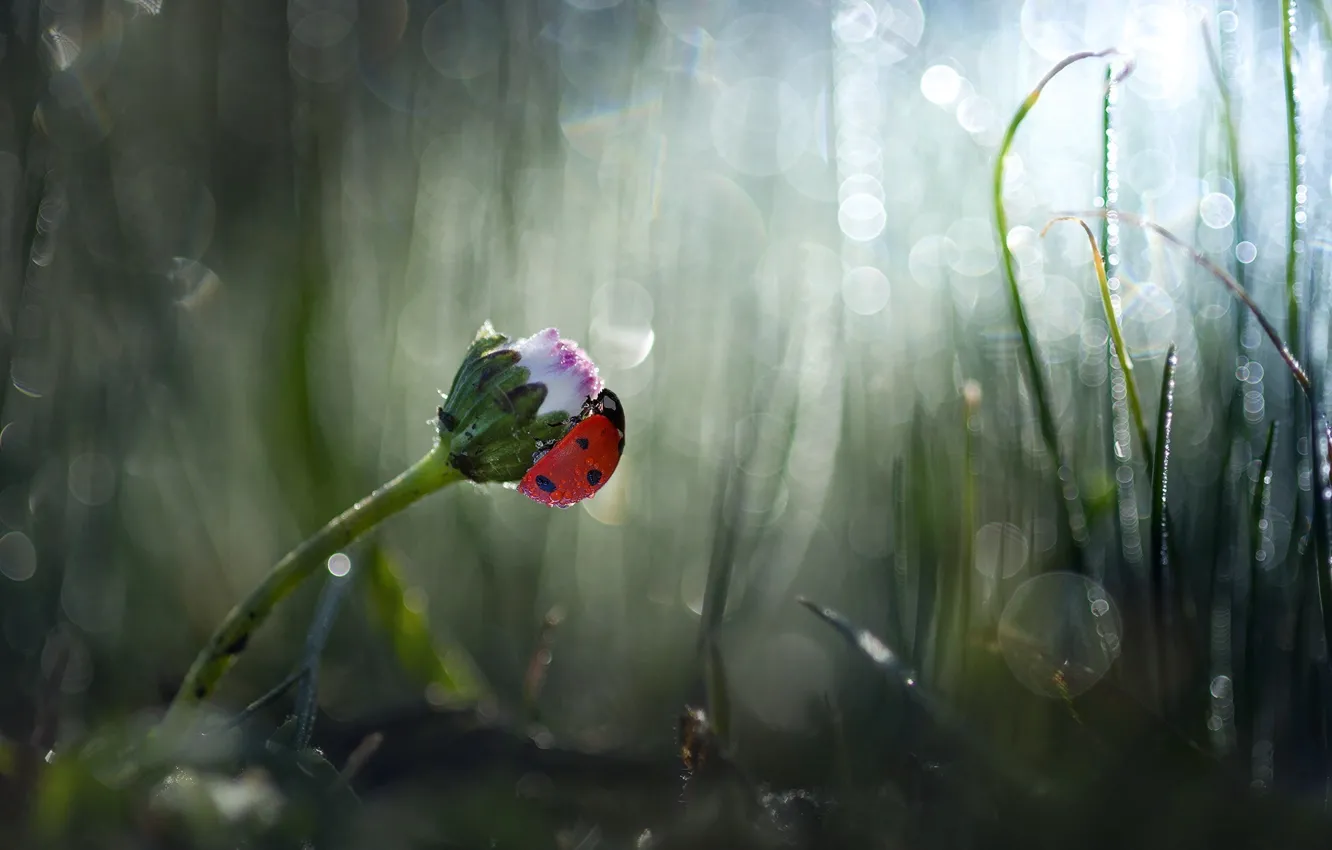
x=569 y=374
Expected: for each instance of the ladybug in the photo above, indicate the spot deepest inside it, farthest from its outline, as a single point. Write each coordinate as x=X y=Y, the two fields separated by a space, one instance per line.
x=575 y=467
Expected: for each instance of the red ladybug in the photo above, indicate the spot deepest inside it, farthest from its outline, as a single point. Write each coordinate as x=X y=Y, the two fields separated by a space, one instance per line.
x=583 y=460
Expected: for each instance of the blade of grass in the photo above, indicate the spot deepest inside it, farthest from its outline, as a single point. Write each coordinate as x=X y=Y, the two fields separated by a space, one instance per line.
x=1321 y=432
x=1252 y=673
x=956 y=734
x=1296 y=370
x=1071 y=508
x=1292 y=174
x=716 y=593
x=307 y=694
x=1116 y=335
x=1107 y=147
x=1160 y=529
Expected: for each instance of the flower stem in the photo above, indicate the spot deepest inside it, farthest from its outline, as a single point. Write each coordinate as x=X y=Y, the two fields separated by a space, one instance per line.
x=422 y=478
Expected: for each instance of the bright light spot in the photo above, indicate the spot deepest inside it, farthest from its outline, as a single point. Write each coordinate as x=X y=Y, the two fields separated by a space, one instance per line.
x=339 y=565
x=1001 y=549
x=18 y=558
x=855 y=23
x=858 y=184
x=1051 y=28
x=875 y=648
x=1246 y=252
x=973 y=239
x=621 y=334
x=1059 y=633
x=1025 y=243
x=865 y=290
x=940 y=84
x=92 y=478
x=1216 y=210
x=862 y=217
x=1228 y=21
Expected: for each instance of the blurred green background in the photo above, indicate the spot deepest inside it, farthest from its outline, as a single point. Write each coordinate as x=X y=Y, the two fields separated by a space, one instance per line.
x=244 y=243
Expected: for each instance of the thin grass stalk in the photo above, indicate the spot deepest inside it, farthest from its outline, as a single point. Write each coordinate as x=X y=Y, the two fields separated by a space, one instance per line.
x=1161 y=593
x=1292 y=173
x=716 y=593
x=1070 y=507
x=1106 y=129
x=1116 y=335
x=1324 y=19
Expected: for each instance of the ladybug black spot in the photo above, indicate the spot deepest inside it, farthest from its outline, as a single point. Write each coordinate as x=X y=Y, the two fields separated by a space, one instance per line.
x=594 y=477
x=545 y=484
x=582 y=442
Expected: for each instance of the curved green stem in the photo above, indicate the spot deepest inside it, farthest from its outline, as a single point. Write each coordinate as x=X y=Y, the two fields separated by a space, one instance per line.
x=1071 y=506
x=422 y=478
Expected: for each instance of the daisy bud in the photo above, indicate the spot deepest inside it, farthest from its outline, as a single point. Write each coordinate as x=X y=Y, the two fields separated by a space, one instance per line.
x=510 y=398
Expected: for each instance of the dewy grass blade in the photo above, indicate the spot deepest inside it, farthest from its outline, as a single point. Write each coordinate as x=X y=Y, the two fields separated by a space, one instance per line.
x=1116 y=336
x=1071 y=507
x=1107 y=147
x=1252 y=677
x=1321 y=434
x=956 y=734
x=1294 y=203
x=1161 y=593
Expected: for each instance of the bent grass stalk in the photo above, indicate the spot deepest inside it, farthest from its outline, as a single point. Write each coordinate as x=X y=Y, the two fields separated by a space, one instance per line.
x=1293 y=364
x=429 y=474
x=1116 y=336
x=1044 y=412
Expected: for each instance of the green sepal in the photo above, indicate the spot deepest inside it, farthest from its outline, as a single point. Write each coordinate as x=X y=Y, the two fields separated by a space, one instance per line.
x=489 y=419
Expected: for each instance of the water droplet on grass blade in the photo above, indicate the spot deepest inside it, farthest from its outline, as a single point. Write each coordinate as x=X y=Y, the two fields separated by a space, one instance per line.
x=1216 y=210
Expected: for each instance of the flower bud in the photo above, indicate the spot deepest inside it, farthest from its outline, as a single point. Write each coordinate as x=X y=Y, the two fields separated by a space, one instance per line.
x=507 y=399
